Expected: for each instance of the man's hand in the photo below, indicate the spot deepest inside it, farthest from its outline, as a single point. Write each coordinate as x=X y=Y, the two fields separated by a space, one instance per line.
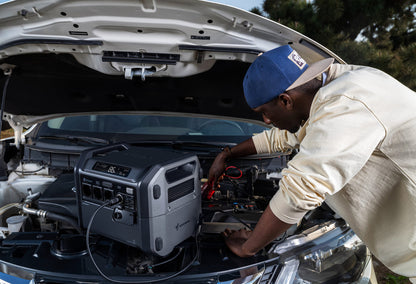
x=236 y=239
x=218 y=166
x=247 y=243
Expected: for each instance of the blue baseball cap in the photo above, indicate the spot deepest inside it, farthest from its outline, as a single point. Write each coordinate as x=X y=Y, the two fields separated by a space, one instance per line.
x=276 y=71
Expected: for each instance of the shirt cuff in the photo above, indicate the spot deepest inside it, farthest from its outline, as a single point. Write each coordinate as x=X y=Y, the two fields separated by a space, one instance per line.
x=284 y=210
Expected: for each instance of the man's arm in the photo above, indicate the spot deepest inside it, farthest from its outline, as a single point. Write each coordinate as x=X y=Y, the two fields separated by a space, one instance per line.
x=283 y=141
x=244 y=243
x=245 y=148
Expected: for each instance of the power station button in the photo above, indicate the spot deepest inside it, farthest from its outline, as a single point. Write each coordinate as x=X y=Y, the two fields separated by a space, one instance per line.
x=156 y=191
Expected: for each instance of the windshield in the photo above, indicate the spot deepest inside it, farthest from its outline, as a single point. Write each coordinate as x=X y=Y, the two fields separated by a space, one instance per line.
x=151 y=126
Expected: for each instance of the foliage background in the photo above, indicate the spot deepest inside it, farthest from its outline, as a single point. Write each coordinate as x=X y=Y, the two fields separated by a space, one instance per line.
x=377 y=33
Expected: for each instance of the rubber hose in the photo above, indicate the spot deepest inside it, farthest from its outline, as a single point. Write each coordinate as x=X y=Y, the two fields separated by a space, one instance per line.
x=71 y=221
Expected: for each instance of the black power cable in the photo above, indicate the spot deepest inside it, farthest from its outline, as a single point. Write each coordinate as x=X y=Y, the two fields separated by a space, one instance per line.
x=113 y=202
x=168 y=260
x=237 y=219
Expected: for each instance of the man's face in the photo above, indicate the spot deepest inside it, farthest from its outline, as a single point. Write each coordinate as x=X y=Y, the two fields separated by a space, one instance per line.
x=280 y=113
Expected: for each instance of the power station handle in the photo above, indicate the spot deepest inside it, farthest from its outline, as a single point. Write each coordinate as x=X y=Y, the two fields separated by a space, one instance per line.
x=105 y=149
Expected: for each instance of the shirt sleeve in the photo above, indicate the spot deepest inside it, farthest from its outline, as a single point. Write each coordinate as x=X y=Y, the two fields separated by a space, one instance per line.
x=341 y=135
x=275 y=140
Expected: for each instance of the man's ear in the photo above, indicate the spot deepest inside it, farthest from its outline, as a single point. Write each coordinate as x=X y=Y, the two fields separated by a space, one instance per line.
x=286 y=101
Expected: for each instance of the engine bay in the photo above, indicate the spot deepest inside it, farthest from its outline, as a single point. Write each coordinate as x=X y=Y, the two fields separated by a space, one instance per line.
x=123 y=210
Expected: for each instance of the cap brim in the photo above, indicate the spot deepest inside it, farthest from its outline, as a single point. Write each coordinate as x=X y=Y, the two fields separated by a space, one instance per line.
x=313 y=71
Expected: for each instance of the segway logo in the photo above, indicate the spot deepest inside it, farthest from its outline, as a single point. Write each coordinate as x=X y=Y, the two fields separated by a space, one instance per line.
x=295 y=58
x=179 y=226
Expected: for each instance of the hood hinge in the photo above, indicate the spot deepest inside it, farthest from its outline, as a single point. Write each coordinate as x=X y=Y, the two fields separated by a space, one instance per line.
x=17 y=129
x=7 y=68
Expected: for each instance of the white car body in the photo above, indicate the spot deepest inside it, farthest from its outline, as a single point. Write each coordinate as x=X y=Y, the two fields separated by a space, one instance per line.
x=153 y=60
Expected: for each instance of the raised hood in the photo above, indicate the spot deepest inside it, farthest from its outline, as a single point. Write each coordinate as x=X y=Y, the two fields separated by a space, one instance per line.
x=185 y=56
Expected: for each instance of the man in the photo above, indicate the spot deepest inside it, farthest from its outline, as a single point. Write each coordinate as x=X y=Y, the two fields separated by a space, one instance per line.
x=355 y=128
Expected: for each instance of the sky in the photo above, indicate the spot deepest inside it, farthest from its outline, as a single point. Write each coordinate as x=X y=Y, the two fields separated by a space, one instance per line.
x=242 y=4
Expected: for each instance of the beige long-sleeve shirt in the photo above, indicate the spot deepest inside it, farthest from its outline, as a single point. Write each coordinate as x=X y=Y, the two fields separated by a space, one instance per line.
x=357 y=152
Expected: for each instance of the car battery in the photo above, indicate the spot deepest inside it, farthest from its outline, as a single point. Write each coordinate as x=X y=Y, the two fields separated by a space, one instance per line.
x=159 y=190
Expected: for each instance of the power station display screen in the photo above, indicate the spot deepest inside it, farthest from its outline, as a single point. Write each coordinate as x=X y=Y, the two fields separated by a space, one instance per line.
x=111 y=169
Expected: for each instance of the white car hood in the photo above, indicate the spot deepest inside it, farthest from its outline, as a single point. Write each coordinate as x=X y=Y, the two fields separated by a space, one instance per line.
x=129 y=40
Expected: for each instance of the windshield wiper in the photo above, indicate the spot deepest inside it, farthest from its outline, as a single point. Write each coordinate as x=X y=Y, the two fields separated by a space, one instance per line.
x=210 y=147
x=77 y=139
x=180 y=144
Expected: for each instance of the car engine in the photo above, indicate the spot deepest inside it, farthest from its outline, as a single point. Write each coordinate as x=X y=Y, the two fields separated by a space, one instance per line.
x=126 y=209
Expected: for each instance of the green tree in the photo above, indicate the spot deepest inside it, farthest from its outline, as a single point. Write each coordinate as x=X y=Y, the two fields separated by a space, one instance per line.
x=378 y=33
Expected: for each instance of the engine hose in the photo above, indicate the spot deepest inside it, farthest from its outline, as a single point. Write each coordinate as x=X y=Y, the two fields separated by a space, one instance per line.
x=71 y=221
x=56 y=217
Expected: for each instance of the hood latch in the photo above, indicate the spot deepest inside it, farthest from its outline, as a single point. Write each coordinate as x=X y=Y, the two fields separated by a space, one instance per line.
x=129 y=73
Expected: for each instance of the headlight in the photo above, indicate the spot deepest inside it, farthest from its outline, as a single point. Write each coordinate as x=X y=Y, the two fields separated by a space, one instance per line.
x=326 y=253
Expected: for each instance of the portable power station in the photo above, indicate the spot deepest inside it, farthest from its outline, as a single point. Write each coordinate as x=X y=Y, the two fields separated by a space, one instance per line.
x=159 y=189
